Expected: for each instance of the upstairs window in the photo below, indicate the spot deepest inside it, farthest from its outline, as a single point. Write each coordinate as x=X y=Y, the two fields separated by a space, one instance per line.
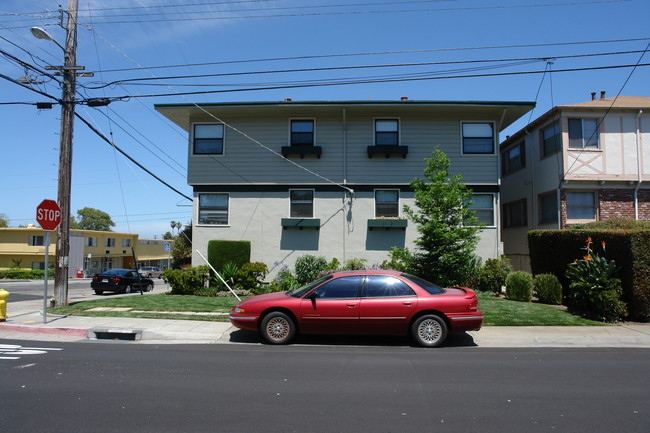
x=302 y=133
x=301 y=203
x=208 y=139
x=126 y=243
x=387 y=203
x=478 y=138
x=386 y=132
x=213 y=209
x=583 y=133
x=36 y=241
x=110 y=242
x=91 y=242
x=551 y=139
x=513 y=159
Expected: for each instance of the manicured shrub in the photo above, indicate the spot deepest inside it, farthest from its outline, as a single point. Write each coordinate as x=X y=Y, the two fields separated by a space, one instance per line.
x=519 y=286
x=25 y=274
x=354 y=264
x=186 y=281
x=594 y=289
x=492 y=275
x=548 y=289
x=309 y=268
x=221 y=252
x=251 y=276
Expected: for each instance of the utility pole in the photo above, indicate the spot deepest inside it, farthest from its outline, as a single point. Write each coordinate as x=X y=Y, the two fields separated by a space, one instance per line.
x=65 y=156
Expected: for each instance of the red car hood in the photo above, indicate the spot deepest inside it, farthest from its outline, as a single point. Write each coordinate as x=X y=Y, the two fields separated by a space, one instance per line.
x=264 y=298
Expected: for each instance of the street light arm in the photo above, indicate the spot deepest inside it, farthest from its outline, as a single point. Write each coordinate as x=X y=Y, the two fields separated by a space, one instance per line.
x=39 y=33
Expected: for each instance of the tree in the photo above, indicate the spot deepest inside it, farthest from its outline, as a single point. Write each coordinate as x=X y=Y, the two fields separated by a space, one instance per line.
x=93 y=219
x=447 y=226
x=3 y=220
x=181 y=251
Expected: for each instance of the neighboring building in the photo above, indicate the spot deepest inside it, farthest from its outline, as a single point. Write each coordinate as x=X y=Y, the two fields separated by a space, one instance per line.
x=330 y=178
x=90 y=251
x=575 y=164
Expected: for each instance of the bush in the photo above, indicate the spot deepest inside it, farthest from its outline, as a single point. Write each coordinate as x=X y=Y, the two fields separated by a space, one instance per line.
x=548 y=289
x=186 y=281
x=519 y=286
x=492 y=275
x=25 y=274
x=354 y=264
x=222 y=252
x=251 y=276
x=309 y=268
x=595 y=291
x=283 y=281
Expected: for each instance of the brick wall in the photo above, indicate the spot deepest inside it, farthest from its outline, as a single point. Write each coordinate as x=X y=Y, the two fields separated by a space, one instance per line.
x=614 y=203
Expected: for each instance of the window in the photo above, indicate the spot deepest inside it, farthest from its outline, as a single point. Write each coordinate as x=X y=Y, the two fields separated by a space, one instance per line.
x=581 y=205
x=583 y=133
x=302 y=133
x=382 y=286
x=551 y=139
x=91 y=242
x=38 y=266
x=302 y=203
x=36 y=241
x=548 y=208
x=386 y=203
x=513 y=159
x=208 y=139
x=478 y=138
x=515 y=214
x=110 y=242
x=344 y=287
x=483 y=207
x=213 y=209
x=386 y=132
x=126 y=243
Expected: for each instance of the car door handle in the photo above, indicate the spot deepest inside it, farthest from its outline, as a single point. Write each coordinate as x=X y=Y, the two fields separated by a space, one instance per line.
x=352 y=305
x=407 y=303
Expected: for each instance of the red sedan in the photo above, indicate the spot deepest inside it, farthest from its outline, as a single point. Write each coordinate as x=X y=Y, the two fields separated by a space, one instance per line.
x=362 y=302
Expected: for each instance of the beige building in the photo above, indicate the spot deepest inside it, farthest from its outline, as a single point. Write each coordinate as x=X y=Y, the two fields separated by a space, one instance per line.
x=91 y=251
x=574 y=164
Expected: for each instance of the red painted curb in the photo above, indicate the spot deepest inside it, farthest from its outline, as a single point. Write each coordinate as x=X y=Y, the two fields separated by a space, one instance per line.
x=74 y=332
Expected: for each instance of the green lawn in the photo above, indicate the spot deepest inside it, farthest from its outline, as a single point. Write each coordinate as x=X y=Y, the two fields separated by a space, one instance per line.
x=497 y=311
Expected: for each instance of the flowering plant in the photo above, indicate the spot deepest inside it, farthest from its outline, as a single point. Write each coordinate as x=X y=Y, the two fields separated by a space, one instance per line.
x=594 y=288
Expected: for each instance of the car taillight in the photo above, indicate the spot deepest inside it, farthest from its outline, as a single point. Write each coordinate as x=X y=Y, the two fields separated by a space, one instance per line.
x=473 y=306
x=95 y=278
x=116 y=279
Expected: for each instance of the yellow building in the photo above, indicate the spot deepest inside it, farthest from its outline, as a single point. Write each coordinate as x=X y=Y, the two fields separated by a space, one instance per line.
x=91 y=251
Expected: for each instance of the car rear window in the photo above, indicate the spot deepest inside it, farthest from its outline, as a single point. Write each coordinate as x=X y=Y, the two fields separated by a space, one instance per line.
x=434 y=289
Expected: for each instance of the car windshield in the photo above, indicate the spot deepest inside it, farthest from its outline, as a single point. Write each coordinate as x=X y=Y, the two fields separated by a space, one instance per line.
x=434 y=289
x=299 y=292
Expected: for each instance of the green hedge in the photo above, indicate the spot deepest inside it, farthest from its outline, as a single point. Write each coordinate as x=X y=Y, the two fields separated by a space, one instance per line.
x=551 y=251
x=25 y=274
x=222 y=252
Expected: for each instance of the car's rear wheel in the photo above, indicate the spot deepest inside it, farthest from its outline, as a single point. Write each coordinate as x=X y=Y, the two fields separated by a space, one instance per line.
x=278 y=328
x=128 y=289
x=429 y=330
x=149 y=288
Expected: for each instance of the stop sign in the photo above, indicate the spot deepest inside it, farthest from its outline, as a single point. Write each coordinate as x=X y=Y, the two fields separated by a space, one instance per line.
x=48 y=214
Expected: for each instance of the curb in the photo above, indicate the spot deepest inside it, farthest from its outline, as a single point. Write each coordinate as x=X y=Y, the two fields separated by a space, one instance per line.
x=30 y=329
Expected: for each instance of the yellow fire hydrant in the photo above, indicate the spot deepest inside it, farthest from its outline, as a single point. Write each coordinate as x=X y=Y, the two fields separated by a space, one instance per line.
x=3 y=304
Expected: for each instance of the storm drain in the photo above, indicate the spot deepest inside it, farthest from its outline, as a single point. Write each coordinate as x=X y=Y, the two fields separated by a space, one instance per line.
x=115 y=334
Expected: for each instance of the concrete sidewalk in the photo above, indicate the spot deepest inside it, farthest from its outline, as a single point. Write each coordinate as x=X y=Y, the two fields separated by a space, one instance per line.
x=25 y=321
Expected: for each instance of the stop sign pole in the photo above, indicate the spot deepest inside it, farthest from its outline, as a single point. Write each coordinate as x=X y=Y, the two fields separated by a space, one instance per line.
x=48 y=215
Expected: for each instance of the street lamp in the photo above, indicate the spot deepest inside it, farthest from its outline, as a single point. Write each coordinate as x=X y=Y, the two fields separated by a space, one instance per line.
x=68 y=69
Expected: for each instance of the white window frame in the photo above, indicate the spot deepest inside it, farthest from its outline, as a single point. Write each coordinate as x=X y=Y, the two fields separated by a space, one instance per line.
x=209 y=154
x=198 y=210
x=313 y=132
x=583 y=140
x=479 y=122
x=313 y=202
x=36 y=241
x=492 y=195
x=387 y=119
x=397 y=203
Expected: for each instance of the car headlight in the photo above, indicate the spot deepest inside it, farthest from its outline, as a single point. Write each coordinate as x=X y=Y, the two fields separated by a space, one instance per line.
x=239 y=310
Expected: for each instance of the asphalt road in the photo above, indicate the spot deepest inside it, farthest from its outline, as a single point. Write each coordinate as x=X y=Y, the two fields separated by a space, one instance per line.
x=117 y=387
x=78 y=290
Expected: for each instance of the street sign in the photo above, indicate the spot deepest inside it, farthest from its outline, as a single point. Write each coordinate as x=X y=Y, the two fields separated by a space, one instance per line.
x=48 y=215
x=167 y=246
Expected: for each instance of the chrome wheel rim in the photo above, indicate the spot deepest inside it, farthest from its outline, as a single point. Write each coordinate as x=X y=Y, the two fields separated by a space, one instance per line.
x=430 y=330
x=277 y=329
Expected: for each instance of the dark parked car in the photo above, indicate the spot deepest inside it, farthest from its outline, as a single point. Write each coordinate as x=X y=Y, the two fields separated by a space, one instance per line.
x=362 y=302
x=120 y=280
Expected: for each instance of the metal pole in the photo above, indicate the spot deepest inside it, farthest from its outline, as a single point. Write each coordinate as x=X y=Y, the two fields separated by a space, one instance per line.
x=47 y=264
x=65 y=157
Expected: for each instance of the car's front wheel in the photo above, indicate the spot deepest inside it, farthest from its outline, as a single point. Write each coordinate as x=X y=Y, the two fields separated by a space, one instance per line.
x=128 y=289
x=278 y=328
x=429 y=330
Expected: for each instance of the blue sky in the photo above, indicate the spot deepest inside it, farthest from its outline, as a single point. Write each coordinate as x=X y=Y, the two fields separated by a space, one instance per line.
x=161 y=39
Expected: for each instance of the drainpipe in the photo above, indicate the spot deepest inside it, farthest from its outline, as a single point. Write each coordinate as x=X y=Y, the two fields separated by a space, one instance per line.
x=638 y=165
x=345 y=181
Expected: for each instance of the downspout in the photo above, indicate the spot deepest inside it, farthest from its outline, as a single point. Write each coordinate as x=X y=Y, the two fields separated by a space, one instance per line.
x=345 y=181
x=498 y=209
x=638 y=165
